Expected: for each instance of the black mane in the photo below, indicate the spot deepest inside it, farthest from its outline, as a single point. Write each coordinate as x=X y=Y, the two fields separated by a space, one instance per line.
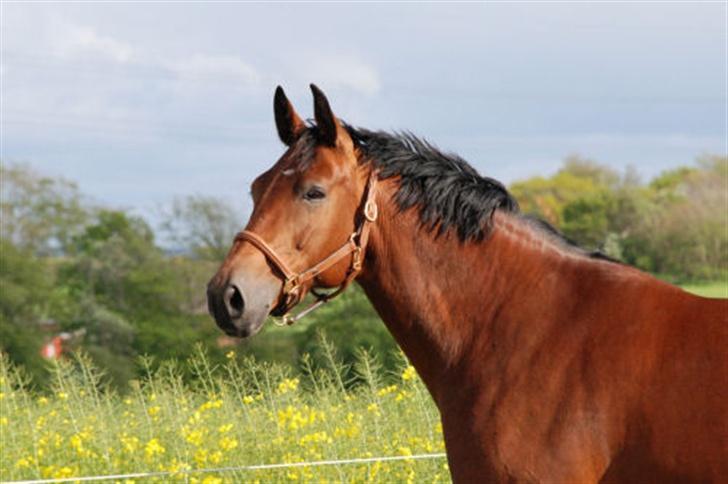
x=448 y=191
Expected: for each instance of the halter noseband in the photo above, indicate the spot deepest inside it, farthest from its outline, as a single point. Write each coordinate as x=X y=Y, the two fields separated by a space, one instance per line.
x=292 y=290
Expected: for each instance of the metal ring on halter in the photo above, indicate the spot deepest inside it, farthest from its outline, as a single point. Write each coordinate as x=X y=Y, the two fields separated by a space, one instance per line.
x=371 y=211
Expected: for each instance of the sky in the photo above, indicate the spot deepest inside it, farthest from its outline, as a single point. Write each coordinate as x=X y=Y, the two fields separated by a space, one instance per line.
x=143 y=102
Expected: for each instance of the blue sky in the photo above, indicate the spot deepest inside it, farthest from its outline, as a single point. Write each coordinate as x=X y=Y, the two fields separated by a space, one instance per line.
x=141 y=102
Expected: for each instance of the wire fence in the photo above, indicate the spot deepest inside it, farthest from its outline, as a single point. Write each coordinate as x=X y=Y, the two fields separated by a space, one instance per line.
x=255 y=467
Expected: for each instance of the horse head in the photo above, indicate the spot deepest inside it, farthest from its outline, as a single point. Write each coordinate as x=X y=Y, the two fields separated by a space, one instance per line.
x=309 y=224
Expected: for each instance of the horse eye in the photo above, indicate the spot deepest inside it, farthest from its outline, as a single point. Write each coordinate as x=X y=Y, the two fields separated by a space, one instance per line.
x=314 y=193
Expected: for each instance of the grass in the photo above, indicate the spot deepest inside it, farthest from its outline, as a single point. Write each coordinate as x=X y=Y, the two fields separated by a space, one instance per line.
x=240 y=413
x=709 y=289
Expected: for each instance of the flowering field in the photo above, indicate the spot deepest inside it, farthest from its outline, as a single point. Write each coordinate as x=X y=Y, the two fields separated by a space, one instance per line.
x=240 y=413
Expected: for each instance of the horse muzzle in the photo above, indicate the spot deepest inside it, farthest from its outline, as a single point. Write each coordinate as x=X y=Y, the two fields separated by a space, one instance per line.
x=239 y=307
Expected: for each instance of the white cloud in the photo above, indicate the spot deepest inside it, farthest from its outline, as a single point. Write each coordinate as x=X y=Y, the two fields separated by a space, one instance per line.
x=72 y=41
x=344 y=72
x=214 y=67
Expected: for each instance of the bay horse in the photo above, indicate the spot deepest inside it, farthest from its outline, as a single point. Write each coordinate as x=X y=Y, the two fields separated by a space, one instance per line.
x=547 y=362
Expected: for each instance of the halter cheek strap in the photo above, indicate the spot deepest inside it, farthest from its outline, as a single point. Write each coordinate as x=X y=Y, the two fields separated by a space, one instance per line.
x=292 y=290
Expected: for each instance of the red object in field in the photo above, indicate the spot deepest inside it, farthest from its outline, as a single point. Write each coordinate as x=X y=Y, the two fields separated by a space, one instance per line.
x=53 y=349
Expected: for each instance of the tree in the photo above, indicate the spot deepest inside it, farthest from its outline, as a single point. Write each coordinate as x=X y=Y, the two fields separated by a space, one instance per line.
x=685 y=234
x=24 y=282
x=579 y=178
x=133 y=289
x=204 y=226
x=586 y=219
x=39 y=213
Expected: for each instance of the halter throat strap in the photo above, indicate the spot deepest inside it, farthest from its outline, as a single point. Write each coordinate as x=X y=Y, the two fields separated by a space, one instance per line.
x=293 y=283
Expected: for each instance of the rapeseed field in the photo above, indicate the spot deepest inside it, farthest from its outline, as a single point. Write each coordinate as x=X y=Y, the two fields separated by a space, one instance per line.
x=238 y=414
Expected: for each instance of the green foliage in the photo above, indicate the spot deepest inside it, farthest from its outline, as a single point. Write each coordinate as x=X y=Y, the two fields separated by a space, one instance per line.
x=670 y=180
x=683 y=234
x=586 y=219
x=579 y=179
x=24 y=281
x=353 y=324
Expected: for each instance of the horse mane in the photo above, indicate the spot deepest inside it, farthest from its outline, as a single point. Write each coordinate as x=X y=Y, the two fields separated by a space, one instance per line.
x=448 y=191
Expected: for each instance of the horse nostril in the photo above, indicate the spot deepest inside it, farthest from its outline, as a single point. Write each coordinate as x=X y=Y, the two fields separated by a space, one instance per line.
x=234 y=301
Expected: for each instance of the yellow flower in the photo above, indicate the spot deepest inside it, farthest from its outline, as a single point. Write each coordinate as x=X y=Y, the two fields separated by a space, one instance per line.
x=405 y=451
x=216 y=403
x=223 y=429
x=212 y=480
x=3 y=420
x=77 y=442
x=154 y=410
x=153 y=448
x=216 y=457
x=42 y=401
x=230 y=355
x=200 y=457
x=40 y=422
x=227 y=443
x=247 y=399
x=374 y=408
x=288 y=385
x=63 y=473
x=387 y=390
x=176 y=467
x=409 y=373
x=314 y=438
x=63 y=395
x=129 y=444
x=294 y=418
x=24 y=462
x=194 y=437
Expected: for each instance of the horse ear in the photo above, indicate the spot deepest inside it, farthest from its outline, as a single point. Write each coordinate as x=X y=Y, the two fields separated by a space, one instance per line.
x=325 y=119
x=288 y=123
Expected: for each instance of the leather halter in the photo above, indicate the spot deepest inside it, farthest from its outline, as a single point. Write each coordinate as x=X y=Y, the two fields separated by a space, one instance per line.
x=292 y=289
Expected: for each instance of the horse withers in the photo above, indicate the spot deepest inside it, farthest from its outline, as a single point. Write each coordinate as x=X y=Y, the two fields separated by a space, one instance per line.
x=547 y=362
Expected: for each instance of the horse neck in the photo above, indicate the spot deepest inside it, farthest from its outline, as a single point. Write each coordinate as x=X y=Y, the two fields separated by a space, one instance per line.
x=448 y=303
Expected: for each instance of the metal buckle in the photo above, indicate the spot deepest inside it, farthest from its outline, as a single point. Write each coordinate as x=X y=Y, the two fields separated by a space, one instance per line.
x=284 y=320
x=290 y=285
x=288 y=319
x=356 y=259
x=371 y=211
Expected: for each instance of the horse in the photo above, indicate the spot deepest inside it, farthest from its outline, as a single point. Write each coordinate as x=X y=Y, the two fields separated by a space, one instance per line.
x=547 y=362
